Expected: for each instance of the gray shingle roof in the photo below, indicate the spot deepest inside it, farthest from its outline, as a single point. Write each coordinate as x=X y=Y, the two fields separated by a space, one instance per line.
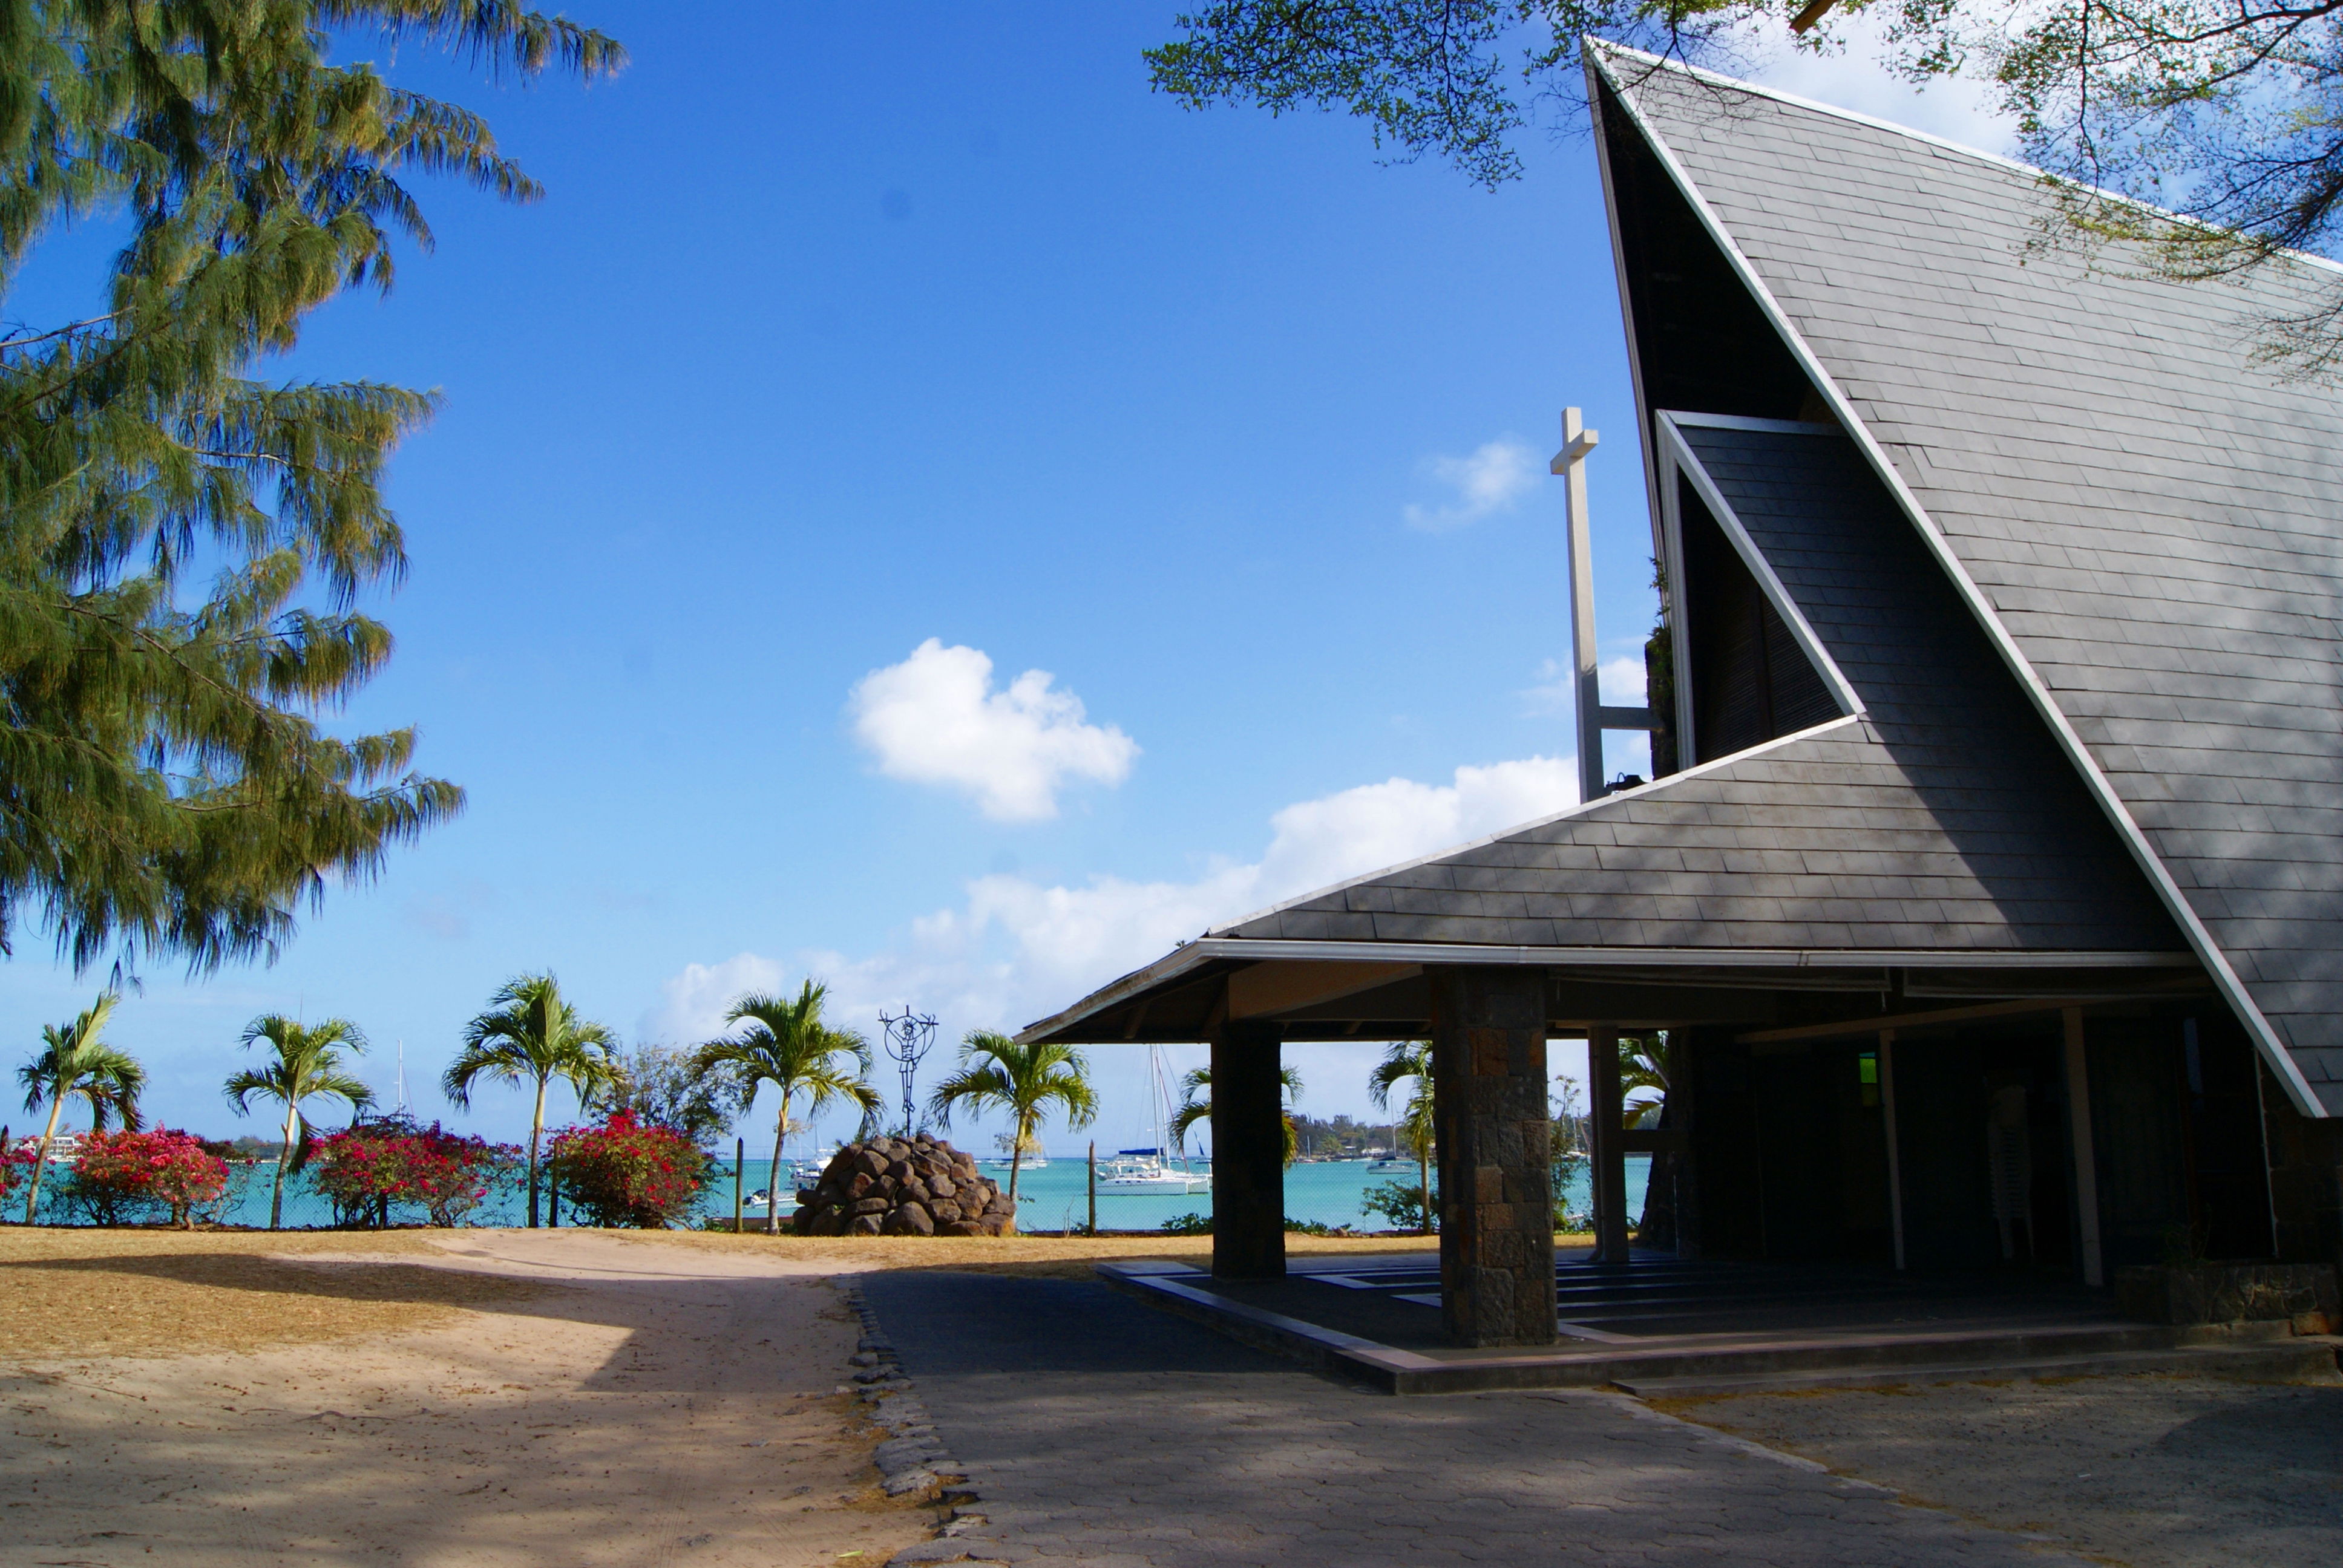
x=1943 y=819
x=2152 y=516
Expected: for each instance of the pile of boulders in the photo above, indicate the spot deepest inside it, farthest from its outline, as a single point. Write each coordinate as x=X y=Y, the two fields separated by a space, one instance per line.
x=916 y=1186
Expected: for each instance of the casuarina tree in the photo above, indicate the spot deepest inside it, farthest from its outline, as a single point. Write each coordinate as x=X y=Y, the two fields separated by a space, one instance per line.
x=782 y=1042
x=311 y=1062
x=996 y=1073
x=530 y=1036
x=75 y=1062
x=165 y=786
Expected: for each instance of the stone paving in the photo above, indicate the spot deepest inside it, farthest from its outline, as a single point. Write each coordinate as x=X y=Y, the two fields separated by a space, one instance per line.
x=2154 y=1472
x=1098 y=1432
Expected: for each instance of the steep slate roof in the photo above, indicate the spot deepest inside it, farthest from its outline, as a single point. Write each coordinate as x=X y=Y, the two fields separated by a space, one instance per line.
x=1942 y=819
x=2150 y=518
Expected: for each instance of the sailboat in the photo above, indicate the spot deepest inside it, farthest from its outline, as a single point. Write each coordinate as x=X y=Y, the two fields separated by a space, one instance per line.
x=1145 y=1171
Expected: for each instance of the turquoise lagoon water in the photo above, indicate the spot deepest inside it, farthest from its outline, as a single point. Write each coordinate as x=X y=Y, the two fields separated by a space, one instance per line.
x=1053 y=1197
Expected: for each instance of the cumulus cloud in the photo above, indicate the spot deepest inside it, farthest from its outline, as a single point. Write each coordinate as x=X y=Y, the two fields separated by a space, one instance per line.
x=1497 y=474
x=936 y=719
x=692 y=1002
x=1014 y=949
x=1621 y=680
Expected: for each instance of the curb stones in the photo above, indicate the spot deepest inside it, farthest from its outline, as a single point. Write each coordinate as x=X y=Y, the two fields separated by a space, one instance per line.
x=911 y=1459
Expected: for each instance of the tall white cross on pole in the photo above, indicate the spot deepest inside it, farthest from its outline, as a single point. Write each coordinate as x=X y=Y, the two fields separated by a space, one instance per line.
x=1593 y=718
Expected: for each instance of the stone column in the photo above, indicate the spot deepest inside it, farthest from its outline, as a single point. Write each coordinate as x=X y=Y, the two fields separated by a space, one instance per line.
x=1496 y=1186
x=1248 y=1154
x=1606 y=1112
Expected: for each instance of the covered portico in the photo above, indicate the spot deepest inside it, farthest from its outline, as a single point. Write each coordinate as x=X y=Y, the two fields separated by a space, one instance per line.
x=1490 y=1011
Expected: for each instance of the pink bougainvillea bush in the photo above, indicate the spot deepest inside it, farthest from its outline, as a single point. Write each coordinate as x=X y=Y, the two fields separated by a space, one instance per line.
x=365 y=1169
x=628 y=1172
x=119 y=1178
x=15 y=1169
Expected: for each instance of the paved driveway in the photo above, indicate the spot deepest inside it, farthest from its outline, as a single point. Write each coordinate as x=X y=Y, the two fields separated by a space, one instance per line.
x=1100 y=1432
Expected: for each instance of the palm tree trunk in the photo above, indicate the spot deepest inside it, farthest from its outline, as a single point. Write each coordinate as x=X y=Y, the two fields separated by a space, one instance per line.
x=284 y=1157
x=1423 y=1183
x=1017 y=1155
x=773 y=1176
x=536 y=1131
x=41 y=1163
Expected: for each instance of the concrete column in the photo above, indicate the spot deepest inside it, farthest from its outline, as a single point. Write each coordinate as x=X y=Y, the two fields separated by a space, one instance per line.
x=1606 y=1113
x=1496 y=1184
x=1248 y=1154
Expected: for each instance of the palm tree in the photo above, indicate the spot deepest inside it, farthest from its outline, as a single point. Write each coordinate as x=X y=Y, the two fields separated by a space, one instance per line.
x=1642 y=1064
x=529 y=1035
x=998 y=1073
x=76 y=1062
x=1410 y=1058
x=308 y=1063
x=1193 y=1109
x=788 y=1045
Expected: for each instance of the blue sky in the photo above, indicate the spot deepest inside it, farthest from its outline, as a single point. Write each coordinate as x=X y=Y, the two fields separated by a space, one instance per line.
x=857 y=363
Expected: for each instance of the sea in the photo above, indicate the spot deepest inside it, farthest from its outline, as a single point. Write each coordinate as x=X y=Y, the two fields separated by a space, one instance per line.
x=1053 y=1197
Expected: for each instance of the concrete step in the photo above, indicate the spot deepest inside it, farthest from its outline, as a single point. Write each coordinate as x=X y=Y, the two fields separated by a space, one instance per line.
x=2310 y=1360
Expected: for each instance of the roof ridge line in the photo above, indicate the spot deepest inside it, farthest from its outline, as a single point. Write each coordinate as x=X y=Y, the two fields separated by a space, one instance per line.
x=1639 y=792
x=1945 y=144
x=2272 y=1050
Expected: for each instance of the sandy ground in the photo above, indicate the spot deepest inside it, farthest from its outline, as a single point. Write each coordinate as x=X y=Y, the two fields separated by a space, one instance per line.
x=476 y=1398
x=2152 y=1472
x=1060 y=1257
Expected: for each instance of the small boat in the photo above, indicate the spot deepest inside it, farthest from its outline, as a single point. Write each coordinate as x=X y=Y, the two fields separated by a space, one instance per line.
x=1144 y=1173
x=1394 y=1168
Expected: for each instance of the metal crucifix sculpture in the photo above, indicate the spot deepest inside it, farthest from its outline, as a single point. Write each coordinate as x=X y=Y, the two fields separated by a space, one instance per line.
x=910 y=1036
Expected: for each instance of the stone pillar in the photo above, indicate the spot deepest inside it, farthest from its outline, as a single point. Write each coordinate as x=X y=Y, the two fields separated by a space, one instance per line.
x=1248 y=1154
x=1496 y=1186
x=1606 y=1115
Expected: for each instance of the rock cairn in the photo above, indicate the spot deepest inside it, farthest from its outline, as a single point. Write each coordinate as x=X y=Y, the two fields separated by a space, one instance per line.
x=903 y=1186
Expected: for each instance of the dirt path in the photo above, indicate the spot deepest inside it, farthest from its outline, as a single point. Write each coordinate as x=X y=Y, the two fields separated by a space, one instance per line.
x=641 y=1405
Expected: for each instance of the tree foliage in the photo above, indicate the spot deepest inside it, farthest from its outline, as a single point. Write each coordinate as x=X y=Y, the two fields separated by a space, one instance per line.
x=783 y=1042
x=311 y=1062
x=1410 y=1061
x=1196 y=1105
x=168 y=782
x=529 y=1036
x=997 y=1073
x=75 y=1062
x=2226 y=115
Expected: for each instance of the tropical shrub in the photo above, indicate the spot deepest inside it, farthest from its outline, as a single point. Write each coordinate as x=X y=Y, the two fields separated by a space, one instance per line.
x=1189 y=1224
x=625 y=1172
x=121 y=1176
x=1403 y=1203
x=363 y=1171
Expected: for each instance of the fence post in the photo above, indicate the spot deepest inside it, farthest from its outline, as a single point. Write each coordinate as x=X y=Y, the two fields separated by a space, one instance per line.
x=1093 y=1186
x=740 y=1159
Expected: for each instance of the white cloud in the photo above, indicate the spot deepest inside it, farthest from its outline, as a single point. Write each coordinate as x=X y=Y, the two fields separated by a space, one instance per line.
x=935 y=719
x=1497 y=474
x=1016 y=949
x=1620 y=679
x=691 y=1003
x=1959 y=109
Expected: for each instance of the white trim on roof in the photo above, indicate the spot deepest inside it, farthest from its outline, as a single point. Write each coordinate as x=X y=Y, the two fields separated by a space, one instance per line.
x=1678 y=457
x=1592 y=47
x=2266 y=1040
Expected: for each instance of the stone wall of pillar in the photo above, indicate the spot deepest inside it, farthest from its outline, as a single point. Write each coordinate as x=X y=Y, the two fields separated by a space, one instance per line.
x=1248 y=1154
x=1496 y=1191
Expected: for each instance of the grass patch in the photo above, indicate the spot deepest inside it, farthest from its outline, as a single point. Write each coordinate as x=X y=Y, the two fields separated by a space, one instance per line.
x=69 y=1294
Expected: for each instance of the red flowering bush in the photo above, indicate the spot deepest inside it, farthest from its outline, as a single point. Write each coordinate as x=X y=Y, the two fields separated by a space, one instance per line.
x=365 y=1169
x=15 y=1165
x=625 y=1172
x=119 y=1177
